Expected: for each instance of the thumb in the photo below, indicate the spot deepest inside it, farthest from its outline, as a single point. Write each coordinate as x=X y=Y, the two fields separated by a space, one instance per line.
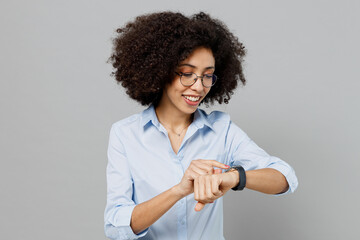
x=199 y=206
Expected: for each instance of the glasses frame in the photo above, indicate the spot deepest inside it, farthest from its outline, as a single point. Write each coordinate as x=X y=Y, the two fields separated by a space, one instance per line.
x=197 y=77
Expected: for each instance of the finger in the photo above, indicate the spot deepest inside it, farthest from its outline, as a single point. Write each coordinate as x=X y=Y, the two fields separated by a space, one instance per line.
x=199 y=206
x=202 y=189
x=215 y=187
x=205 y=167
x=216 y=164
x=208 y=190
x=196 y=189
x=217 y=171
x=193 y=174
x=199 y=170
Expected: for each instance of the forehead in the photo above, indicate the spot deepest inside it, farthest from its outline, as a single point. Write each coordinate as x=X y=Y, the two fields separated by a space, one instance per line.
x=200 y=58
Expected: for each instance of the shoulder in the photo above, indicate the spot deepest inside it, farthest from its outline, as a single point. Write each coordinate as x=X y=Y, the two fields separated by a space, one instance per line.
x=216 y=117
x=222 y=121
x=132 y=121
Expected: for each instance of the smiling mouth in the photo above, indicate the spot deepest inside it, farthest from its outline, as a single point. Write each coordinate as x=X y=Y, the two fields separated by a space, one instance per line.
x=192 y=99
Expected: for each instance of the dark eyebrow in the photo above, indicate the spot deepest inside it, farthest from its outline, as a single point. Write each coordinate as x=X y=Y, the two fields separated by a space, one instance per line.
x=192 y=66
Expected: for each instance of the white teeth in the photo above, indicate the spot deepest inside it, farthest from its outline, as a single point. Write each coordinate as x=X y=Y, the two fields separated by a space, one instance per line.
x=193 y=99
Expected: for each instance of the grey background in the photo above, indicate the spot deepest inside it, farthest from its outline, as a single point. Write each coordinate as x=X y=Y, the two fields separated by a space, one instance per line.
x=58 y=102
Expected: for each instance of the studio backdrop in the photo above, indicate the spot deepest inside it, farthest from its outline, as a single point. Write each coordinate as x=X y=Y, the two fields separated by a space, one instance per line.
x=58 y=102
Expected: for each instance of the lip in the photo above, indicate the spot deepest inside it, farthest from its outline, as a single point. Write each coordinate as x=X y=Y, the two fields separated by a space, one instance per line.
x=191 y=95
x=191 y=103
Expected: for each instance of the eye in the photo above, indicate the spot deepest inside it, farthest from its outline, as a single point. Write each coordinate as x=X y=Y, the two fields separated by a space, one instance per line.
x=208 y=75
x=187 y=74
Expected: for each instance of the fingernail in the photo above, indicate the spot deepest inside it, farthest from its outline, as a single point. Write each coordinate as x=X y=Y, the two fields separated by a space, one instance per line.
x=227 y=166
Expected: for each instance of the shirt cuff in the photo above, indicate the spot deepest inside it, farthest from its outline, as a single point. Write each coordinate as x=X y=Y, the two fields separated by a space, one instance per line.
x=120 y=229
x=290 y=176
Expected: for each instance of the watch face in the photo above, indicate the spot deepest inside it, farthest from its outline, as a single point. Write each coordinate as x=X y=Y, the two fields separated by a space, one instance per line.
x=234 y=168
x=231 y=169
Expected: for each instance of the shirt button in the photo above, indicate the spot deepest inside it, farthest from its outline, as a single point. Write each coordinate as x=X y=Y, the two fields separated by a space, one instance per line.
x=182 y=222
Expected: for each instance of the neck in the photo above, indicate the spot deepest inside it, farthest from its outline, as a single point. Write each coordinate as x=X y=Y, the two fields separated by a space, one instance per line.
x=172 y=117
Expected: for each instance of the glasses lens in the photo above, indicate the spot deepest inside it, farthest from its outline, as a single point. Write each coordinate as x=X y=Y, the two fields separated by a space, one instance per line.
x=209 y=80
x=188 y=79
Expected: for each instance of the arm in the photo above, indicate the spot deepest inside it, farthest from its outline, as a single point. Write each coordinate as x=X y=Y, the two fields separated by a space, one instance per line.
x=146 y=213
x=266 y=180
x=208 y=188
x=265 y=173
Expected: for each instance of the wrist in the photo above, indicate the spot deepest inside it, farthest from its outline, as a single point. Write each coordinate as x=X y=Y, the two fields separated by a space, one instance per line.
x=176 y=190
x=234 y=176
x=241 y=181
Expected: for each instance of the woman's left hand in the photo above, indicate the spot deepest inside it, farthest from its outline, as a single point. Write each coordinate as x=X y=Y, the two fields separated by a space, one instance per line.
x=208 y=188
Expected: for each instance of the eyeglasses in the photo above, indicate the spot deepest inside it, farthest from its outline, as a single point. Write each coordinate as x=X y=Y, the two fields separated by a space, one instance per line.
x=188 y=79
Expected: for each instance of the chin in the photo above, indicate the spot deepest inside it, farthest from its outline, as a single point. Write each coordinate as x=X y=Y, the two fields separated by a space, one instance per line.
x=189 y=109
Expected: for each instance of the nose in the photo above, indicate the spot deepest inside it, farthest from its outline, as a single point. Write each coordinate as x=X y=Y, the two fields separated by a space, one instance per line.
x=197 y=86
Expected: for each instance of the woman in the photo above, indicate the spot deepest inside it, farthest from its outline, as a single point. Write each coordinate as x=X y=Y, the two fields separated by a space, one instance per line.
x=166 y=165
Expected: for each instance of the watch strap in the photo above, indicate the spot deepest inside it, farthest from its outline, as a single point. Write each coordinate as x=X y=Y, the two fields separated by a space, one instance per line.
x=242 y=178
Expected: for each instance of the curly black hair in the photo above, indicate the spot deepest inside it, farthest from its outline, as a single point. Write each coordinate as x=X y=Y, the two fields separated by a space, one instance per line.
x=148 y=50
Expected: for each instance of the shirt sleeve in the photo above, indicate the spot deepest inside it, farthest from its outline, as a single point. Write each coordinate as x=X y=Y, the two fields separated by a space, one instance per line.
x=120 y=204
x=250 y=156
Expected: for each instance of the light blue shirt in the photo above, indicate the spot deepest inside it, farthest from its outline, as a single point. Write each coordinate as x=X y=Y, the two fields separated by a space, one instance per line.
x=142 y=164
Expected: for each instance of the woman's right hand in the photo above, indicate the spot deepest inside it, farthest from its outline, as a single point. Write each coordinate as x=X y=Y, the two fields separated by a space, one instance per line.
x=195 y=169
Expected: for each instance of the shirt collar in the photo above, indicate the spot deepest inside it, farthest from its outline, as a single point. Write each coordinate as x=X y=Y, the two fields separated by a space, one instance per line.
x=149 y=115
x=200 y=118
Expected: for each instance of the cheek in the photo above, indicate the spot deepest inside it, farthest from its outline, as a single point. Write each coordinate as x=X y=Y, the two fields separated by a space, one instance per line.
x=179 y=89
x=174 y=92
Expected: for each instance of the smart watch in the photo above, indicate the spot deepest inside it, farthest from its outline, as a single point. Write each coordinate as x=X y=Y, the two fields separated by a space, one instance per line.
x=242 y=178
